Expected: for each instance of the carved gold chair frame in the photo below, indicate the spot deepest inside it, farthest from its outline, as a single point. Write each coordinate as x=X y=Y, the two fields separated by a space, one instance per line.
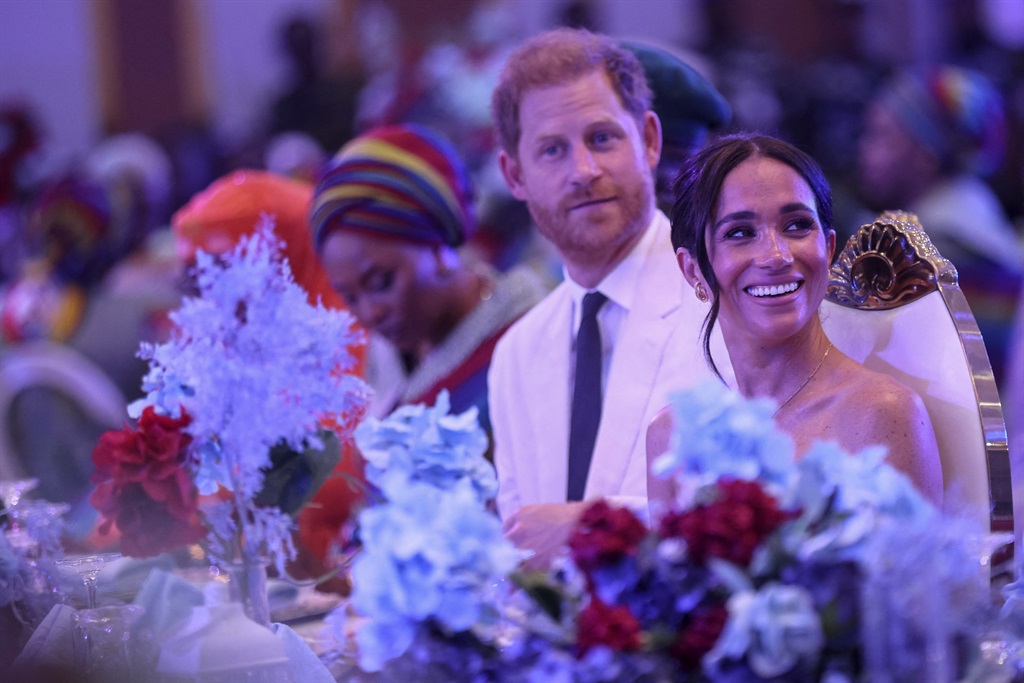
x=892 y=263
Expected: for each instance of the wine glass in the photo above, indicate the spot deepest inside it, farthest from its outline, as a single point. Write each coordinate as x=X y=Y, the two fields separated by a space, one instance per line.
x=88 y=568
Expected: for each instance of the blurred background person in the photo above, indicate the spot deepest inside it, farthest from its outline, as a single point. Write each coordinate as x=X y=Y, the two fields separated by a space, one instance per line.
x=929 y=140
x=293 y=154
x=68 y=347
x=688 y=106
x=214 y=221
x=138 y=178
x=316 y=101
x=19 y=141
x=389 y=214
x=95 y=287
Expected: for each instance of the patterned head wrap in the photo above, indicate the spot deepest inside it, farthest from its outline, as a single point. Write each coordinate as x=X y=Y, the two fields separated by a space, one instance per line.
x=956 y=113
x=401 y=181
x=69 y=224
x=215 y=219
x=70 y=221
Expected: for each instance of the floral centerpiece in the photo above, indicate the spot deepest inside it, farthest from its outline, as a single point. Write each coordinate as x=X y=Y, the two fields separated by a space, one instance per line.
x=766 y=568
x=427 y=581
x=234 y=403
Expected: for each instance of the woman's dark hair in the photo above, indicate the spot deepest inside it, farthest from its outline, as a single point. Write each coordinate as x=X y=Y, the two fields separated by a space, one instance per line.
x=699 y=184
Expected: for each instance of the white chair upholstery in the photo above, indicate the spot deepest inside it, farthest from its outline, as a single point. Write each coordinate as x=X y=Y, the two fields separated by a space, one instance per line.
x=893 y=303
x=64 y=370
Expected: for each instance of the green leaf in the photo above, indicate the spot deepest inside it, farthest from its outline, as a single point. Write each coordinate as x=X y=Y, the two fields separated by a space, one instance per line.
x=537 y=586
x=294 y=477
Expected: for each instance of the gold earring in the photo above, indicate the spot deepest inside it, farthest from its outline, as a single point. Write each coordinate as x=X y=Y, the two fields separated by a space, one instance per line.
x=701 y=294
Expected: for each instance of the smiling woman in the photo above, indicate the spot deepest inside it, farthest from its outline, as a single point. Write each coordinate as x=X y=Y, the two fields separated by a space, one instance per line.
x=752 y=229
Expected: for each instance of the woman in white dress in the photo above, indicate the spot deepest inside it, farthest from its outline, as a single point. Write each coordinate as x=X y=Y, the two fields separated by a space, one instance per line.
x=752 y=230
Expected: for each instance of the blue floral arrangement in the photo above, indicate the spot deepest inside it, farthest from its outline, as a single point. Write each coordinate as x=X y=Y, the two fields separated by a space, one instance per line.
x=831 y=567
x=433 y=555
x=764 y=568
x=258 y=370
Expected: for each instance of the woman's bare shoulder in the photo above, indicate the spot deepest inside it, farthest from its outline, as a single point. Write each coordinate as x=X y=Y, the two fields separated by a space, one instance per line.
x=882 y=410
x=873 y=395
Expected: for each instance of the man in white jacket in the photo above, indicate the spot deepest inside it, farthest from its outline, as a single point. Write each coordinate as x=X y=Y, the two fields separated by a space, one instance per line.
x=579 y=145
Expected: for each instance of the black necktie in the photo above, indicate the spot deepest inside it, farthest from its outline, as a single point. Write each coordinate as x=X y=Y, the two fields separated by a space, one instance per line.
x=586 y=396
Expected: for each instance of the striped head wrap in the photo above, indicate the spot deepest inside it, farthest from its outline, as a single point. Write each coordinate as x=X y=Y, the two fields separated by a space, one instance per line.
x=400 y=181
x=956 y=113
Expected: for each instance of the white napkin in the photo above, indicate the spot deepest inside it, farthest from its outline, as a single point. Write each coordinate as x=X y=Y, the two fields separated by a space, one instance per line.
x=303 y=665
x=51 y=647
x=168 y=599
x=125 y=575
x=219 y=641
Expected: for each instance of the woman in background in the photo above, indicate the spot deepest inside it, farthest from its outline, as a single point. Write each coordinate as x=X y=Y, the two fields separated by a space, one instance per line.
x=388 y=216
x=930 y=142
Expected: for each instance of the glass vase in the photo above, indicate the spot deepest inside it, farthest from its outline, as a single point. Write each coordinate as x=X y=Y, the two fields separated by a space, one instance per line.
x=247 y=585
x=107 y=645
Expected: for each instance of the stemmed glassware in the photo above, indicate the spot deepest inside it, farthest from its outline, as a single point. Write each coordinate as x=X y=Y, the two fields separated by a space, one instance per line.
x=88 y=568
x=32 y=532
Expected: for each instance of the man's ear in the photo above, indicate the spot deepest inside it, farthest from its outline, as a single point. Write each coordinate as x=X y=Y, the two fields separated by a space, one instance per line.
x=652 y=138
x=689 y=268
x=513 y=174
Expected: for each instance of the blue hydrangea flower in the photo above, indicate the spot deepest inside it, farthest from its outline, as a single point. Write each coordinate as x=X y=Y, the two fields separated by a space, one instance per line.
x=852 y=491
x=774 y=629
x=719 y=433
x=427 y=552
x=429 y=445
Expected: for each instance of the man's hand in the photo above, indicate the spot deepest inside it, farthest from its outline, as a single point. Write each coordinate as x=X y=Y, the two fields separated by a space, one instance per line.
x=543 y=528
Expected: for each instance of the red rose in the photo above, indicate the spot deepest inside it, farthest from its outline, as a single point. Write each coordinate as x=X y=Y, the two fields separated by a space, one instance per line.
x=153 y=450
x=147 y=526
x=699 y=636
x=731 y=527
x=144 y=487
x=600 y=624
x=604 y=535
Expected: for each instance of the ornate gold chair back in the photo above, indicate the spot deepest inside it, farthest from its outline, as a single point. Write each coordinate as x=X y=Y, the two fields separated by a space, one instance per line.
x=894 y=304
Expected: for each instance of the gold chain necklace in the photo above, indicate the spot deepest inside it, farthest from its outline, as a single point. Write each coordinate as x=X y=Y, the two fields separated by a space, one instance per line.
x=809 y=378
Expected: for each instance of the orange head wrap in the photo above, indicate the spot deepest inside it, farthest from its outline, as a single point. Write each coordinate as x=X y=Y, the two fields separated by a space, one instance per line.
x=230 y=208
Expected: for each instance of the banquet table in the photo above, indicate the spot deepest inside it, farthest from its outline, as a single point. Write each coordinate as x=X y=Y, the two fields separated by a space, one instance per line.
x=183 y=627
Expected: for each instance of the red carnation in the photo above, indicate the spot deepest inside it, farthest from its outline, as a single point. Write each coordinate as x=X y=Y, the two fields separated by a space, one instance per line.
x=604 y=535
x=699 y=636
x=731 y=527
x=143 y=486
x=600 y=624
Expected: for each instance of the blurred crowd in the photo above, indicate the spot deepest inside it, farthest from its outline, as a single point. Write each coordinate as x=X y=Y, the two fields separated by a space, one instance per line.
x=89 y=263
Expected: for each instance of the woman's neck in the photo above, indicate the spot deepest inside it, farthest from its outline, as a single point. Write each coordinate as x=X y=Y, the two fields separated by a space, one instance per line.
x=777 y=370
x=466 y=289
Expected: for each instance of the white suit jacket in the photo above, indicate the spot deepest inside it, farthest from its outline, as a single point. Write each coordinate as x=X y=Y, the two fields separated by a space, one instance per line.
x=657 y=352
